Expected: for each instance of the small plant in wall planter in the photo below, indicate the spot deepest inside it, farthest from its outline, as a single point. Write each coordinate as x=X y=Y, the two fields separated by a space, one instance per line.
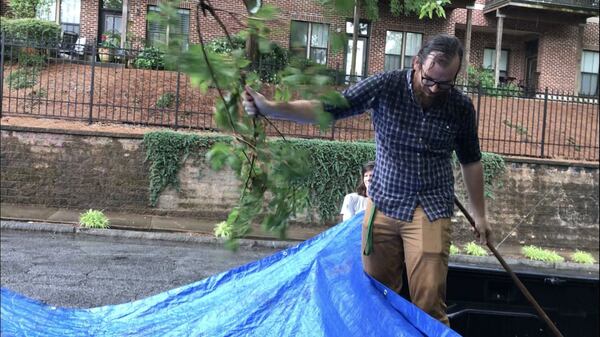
x=474 y=249
x=93 y=219
x=540 y=254
x=454 y=250
x=223 y=230
x=582 y=257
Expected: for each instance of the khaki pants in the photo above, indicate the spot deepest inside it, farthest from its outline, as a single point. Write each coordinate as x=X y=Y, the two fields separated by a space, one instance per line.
x=422 y=246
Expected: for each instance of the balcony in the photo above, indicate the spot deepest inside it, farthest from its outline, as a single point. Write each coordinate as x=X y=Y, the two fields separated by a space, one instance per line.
x=556 y=11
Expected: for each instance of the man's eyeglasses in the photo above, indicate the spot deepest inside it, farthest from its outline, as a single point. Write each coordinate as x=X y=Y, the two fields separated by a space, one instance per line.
x=428 y=82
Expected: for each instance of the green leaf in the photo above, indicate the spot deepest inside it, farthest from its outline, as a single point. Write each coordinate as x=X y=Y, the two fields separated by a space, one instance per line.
x=338 y=41
x=321 y=80
x=264 y=45
x=267 y=12
x=334 y=98
x=217 y=155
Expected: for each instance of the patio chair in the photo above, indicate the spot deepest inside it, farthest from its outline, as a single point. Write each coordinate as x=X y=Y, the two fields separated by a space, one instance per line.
x=80 y=47
x=67 y=44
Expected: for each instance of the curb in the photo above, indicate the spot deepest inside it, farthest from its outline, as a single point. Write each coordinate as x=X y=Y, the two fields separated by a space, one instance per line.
x=129 y=234
x=273 y=244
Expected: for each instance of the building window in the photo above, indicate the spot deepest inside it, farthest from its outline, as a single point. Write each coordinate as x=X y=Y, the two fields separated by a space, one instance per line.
x=69 y=14
x=111 y=16
x=489 y=60
x=47 y=10
x=158 y=33
x=400 y=48
x=363 y=28
x=589 y=73
x=309 y=40
x=362 y=45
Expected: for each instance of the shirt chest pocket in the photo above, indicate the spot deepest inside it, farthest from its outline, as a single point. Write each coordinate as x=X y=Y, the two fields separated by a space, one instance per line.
x=441 y=135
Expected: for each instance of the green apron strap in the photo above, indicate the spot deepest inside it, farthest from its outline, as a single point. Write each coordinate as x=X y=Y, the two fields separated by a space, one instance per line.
x=369 y=245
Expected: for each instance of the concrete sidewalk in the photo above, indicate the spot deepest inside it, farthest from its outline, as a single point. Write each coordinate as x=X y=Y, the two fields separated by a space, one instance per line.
x=144 y=222
x=173 y=228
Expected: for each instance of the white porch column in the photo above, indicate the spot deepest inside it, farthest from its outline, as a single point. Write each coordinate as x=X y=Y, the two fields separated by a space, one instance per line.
x=499 y=29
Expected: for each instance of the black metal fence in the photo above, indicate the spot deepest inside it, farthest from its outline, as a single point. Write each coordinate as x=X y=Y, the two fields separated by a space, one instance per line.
x=93 y=84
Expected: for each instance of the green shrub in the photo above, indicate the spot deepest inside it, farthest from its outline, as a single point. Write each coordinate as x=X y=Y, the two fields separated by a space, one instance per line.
x=35 y=96
x=150 y=58
x=480 y=76
x=270 y=63
x=485 y=78
x=582 y=257
x=38 y=94
x=454 y=250
x=474 y=249
x=165 y=100
x=540 y=254
x=24 y=8
x=22 y=78
x=221 y=45
x=93 y=219
x=32 y=59
x=31 y=29
x=304 y=64
x=110 y=40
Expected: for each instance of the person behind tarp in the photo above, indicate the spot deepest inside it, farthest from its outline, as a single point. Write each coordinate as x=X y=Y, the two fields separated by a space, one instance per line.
x=357 y=201
x=419 y=119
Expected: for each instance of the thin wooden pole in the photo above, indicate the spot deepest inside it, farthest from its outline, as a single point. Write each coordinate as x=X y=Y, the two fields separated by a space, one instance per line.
x=520 y=285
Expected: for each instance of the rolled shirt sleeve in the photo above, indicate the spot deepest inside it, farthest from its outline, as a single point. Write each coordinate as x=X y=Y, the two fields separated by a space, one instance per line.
x=361 y=97
x=467 y=141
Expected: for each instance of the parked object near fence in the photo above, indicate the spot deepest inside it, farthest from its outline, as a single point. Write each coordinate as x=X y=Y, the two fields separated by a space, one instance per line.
x=546 y=124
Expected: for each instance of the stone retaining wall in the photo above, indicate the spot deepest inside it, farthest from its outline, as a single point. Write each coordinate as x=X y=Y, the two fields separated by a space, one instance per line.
x=547 y=204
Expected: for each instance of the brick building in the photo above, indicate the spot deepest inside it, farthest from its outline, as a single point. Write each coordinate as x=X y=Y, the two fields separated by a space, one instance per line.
x=543 y=44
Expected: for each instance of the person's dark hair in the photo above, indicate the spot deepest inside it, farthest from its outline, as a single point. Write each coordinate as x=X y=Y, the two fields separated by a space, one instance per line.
x=444 y=48
x=362 y=189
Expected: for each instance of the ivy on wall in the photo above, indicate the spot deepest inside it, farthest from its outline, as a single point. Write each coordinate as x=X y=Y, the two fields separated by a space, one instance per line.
x=335 y=169
x=493 y=167
x=166 y=152
x=334 y=166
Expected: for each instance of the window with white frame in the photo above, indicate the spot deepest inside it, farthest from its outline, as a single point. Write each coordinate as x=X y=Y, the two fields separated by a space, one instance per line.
x=70 y=11
x=489 y=60
x=158 y=33
x=589 y=73
x=47 y=10
x=400 y=48
x=310 y=40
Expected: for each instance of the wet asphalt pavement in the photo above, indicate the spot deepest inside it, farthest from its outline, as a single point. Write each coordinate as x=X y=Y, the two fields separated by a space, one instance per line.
x=84 y=271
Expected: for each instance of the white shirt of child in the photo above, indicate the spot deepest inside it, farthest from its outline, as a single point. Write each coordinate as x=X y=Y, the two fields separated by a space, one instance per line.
x=353 y=203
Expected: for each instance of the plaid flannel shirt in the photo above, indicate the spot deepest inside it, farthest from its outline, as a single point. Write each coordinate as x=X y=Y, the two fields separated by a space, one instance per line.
x=413 y=147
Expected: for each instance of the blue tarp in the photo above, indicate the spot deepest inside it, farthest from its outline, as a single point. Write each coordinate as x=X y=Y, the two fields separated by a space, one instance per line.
x=317 y=288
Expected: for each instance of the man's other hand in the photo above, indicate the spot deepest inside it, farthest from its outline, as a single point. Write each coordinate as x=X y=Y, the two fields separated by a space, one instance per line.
x=484 y=231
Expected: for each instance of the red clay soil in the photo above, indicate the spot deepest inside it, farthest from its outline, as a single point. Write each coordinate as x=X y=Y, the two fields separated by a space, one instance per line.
x=511 y=126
